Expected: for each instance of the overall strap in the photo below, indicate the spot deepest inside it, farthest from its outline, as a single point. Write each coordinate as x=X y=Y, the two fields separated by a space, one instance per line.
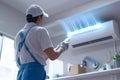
x=22 y=42
x=22 y=39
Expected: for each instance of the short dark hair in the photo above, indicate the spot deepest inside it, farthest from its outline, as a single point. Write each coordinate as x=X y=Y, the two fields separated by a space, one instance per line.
x=30 y=18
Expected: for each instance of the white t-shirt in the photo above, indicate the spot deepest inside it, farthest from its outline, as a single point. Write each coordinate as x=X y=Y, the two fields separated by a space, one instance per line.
x=37 y=41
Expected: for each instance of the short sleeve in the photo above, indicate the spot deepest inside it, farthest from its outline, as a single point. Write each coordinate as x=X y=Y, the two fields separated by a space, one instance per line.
x=45 y=41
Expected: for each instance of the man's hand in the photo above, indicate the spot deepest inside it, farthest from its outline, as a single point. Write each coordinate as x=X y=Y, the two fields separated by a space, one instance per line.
x=65 y=44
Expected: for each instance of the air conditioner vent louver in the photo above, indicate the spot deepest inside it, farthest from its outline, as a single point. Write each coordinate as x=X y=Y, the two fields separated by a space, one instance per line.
x=92 y=41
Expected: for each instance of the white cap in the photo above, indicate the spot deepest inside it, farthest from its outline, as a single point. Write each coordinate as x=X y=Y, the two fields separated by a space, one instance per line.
x=36 y=10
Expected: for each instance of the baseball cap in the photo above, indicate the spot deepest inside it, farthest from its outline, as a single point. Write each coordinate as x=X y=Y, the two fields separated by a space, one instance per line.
x=36 y=10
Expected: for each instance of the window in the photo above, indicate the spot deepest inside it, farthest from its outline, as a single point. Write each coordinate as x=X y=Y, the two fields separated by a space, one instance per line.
x=8 y=68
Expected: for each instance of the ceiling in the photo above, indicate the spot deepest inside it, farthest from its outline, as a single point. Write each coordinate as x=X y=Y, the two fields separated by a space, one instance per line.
x=52 y=7
x=105 y=10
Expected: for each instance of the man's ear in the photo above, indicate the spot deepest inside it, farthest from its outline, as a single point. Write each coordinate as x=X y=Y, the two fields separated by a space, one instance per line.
x=39 y=20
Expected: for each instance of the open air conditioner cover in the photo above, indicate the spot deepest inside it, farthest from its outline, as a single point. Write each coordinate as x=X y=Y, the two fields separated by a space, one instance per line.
x=108 y=32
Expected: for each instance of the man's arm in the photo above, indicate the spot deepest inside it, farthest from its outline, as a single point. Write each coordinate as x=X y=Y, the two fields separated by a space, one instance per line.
x=53 y=54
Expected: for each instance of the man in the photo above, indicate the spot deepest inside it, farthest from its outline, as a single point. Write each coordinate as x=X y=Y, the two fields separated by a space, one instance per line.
x=33 y=46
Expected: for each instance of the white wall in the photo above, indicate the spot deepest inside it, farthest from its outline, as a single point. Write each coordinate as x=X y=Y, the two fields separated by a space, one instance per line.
x=11 y=20
x=102 y=53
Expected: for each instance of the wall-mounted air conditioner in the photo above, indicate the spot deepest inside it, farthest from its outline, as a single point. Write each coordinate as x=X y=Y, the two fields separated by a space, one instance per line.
x=109 y=31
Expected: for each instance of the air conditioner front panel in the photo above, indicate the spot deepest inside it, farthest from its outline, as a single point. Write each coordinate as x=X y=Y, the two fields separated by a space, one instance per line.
x=105 y=34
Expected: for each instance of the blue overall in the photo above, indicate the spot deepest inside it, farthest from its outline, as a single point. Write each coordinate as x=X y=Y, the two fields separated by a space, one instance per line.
x=32 y=70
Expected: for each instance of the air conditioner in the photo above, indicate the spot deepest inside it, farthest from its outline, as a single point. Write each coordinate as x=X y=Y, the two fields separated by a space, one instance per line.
x=108 y=32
